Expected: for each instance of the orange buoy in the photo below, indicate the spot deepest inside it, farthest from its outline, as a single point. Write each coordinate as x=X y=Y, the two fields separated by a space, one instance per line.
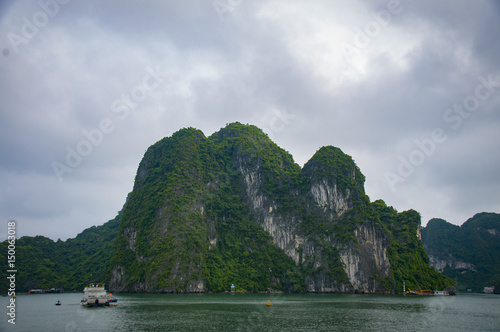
x=268 y=303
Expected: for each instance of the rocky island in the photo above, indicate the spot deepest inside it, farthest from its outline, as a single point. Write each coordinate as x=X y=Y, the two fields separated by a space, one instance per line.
x=207 y=212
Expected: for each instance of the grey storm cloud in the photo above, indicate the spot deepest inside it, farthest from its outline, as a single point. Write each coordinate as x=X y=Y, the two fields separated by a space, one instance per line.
x=410 y=89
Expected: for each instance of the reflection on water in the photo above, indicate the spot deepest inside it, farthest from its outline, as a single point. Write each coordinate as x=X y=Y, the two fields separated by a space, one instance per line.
x=248 y=312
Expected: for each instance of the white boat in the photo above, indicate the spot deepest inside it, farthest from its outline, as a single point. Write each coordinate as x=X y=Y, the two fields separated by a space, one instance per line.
x=94 y=295
x=441 y=293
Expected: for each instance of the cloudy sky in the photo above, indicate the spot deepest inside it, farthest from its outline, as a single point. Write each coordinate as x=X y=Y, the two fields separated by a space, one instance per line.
x=409 y=89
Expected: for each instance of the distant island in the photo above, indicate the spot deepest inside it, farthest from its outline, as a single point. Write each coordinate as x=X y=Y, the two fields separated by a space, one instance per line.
x=469 y=254
x=234 y=208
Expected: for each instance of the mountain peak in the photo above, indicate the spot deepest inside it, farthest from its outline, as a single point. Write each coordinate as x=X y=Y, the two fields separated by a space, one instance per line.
x=337 y=168
x=237 y=129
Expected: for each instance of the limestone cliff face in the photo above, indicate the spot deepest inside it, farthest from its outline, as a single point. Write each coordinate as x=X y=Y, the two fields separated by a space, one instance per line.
x=367 y=260
x=364 y=259
x=283 y=228
x=455 y=264
x=330 y=198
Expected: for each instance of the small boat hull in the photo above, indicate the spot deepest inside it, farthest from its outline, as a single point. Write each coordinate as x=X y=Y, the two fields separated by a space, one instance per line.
x=427 y=293
x=91 y=303
x=441 y=293
x=420 y=292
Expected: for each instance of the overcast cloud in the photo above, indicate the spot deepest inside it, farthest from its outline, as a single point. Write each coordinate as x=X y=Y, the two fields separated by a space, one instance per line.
x=409 y=89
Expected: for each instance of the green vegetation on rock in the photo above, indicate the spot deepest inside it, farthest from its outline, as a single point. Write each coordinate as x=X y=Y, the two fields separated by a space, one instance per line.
x=470 y=254
x=409 y=261
x=42 y=263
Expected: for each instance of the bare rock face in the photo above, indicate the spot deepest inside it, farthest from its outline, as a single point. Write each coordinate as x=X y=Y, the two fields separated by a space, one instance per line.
x=117 y=281
x=367 y=260
x=455 y=264
x=329 y=198
x=364 y=260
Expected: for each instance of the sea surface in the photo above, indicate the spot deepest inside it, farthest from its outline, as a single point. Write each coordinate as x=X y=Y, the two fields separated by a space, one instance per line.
x=248 y=312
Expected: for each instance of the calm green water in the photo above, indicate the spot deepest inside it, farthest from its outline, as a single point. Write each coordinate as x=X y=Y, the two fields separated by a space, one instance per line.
x=248 y=312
